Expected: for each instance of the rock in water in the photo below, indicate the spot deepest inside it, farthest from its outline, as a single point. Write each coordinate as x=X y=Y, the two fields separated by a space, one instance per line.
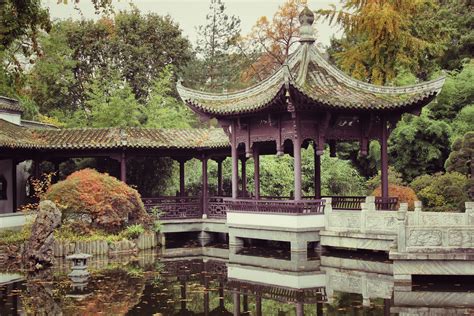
x=39 y=248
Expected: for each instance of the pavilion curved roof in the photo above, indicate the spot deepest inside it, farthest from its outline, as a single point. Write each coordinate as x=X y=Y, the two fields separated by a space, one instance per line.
x=10 y=105
x=309 y=74
x=18 y=137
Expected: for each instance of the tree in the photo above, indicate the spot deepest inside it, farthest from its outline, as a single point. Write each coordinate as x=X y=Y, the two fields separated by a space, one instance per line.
x=464 y=122
x=458 y=92
x=22 y=18
x=461 y=157
x=272 y=41
x=162 y=109
x=419 y=145
x=381 y=35
x=216 y=42
x=111 y=103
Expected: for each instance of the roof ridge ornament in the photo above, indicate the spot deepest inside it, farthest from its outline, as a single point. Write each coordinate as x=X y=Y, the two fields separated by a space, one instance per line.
x=306 y=19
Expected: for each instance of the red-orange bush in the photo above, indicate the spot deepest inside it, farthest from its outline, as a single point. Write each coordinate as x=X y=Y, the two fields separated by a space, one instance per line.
x=404 y=194
x=99 y=199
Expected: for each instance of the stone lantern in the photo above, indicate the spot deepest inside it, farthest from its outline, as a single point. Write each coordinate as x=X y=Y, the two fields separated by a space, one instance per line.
x=79 y=273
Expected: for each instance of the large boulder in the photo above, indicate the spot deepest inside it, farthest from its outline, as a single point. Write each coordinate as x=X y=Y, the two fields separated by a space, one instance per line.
x=38 y=250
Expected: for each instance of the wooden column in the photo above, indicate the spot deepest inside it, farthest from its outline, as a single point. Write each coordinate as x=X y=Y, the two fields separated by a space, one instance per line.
x=245 y=302
x=319 y=309
x=384 y=157
x=56 y=164
x=13 y=184
x=205 y=188
x=123 y=167
x=220 y=191
x=243 y=162
x=221 y=295
x=182 y=184
x=256 y=172
x=317 y=173
x=183 y=295
x=299 y=309
x=297 y=167
x=258 y=305
x=235 y=162
x=236 y=298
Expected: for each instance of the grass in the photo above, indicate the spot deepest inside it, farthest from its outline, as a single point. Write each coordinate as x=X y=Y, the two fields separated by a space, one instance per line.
x=66 y=233
x=10 y=237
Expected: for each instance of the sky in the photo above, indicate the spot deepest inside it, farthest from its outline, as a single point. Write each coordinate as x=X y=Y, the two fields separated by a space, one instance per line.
x=192 y=13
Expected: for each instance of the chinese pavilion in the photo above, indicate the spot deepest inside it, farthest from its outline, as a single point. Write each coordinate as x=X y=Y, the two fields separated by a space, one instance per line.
x=306 y=101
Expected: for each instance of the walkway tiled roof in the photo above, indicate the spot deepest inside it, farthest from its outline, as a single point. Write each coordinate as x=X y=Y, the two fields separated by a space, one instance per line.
x=8 y=104
x=309 y=74
x=14 y=136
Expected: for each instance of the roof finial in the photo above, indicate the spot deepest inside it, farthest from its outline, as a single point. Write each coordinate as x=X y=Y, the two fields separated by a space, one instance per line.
x=306 y=19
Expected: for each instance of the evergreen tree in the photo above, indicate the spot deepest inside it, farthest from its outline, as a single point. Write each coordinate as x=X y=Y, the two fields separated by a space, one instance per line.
x=216 y=43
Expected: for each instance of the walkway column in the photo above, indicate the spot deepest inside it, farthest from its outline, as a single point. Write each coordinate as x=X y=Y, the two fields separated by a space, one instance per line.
x=56 y=164
x=297 y=167
x=221 y=294
x=256 y=172
x=258 y=305
x=317 y=173
x=236 y=297
x=384 y=157
x=204 y=193
x=183 y=295
x=220 y=191
x=299 y=309
x=235 y=162
x=243 y=162
x=14 y=193
x=123 y=168
x=182 y=188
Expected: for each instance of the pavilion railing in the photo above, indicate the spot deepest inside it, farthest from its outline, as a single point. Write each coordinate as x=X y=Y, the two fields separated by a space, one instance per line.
x=386 y=204
x=217 y=207
x=175 y=207
x=350 y=203
x=276 y=206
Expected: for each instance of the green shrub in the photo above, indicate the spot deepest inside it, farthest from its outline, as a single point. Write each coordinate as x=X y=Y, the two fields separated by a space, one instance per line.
x=443 y=192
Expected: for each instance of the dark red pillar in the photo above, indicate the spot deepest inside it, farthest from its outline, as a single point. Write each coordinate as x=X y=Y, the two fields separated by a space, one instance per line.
x=220 y=191
x=14 y=193
x=235 y=163
x=205 y=189
x=256 y=171
x=258 y=305
x=236 y=298
x=297 y=168
x=123 y=167
x=182 y=185
x=384 y=157
x=243 y=162
x=317 y=174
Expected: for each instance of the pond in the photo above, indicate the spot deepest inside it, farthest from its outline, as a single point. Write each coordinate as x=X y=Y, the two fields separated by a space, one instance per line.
x=188 y=280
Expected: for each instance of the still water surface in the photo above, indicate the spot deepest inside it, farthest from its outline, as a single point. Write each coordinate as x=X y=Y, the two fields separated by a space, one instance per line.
x=212 y=281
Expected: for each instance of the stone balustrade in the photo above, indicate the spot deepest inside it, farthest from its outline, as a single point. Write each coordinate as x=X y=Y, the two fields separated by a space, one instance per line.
x=435 y=232
x=368 y=220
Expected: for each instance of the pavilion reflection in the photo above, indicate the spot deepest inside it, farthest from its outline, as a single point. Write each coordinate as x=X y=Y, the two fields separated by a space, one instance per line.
x=190 y=281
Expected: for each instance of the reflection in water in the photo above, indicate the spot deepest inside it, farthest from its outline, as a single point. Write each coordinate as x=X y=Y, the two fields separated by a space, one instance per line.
x=189 y=281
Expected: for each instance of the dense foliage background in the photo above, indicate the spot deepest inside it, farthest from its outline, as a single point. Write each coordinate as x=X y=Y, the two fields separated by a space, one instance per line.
x=121 y=69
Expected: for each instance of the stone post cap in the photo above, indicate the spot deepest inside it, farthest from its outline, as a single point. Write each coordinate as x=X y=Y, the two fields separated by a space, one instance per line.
x=403 y=207
x=418 y=206
x=370 y=199
x=469 y=206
